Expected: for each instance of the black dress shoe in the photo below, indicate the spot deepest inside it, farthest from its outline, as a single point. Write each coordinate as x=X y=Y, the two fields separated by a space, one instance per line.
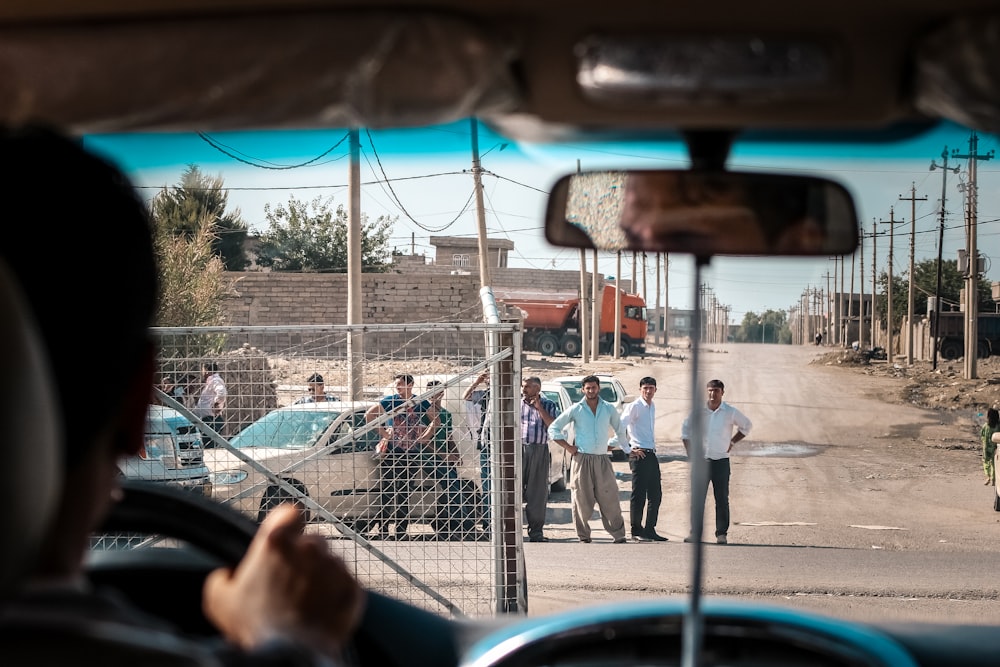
x=651 y=535
x=585 y=540
x=538 y=538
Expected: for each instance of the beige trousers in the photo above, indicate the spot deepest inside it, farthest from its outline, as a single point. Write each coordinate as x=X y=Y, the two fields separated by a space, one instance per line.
x=593 y=480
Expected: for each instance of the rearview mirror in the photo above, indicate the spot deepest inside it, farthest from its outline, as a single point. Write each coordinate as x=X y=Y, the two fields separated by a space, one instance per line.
x=704 y=213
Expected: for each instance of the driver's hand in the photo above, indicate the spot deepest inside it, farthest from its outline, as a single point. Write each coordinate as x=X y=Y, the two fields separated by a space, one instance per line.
x=287 y=587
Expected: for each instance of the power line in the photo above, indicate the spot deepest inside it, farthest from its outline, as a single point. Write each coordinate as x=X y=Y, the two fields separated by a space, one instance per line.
x=231 y=153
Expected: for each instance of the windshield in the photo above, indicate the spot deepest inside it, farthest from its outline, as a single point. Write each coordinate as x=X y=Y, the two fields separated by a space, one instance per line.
x=857 y=457
x=292 y=429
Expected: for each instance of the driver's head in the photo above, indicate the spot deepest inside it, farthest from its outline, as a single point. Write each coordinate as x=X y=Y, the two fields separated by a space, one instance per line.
x=78 y=217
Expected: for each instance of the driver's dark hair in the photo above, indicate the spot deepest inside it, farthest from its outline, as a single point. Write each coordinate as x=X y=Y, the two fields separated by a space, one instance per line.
x=83 y=255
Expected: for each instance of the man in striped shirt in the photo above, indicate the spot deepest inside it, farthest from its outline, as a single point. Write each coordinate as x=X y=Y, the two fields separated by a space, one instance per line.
x=537 y=412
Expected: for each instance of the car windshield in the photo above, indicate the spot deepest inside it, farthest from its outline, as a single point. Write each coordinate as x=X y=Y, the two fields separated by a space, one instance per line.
x=860 y=444
x=285 y=429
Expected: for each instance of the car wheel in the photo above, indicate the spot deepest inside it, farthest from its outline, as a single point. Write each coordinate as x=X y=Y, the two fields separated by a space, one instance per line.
x=275 y=496
x=624 y=349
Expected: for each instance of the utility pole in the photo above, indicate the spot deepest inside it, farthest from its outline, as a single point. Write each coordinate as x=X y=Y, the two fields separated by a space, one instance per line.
x=595 y=315
x=874 y=279
x=937 y=290
x=659 y=327
x=972 y=276
x=618 y=306
x=635 y=284
x=861 y=294
x=666 y=300
x=834 y=322
x=355 y=341
x=842 y=320
x=889 y=350
x=850 y=307
x=583 y=311
x=827 y=303
x=913 y=199
x=477 y=177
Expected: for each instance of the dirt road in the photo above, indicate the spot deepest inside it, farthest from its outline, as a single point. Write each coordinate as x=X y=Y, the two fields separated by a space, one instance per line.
x=843 y=499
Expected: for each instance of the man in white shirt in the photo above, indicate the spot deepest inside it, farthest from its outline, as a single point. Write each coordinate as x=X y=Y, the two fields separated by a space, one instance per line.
x=720 y=419
x=638 y=419
x=211 y=401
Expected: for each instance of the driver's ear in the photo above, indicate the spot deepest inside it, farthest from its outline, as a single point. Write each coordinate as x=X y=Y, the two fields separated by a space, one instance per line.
x=135 y=404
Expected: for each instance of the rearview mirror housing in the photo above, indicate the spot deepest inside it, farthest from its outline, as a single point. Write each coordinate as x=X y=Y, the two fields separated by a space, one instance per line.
x=704 y=213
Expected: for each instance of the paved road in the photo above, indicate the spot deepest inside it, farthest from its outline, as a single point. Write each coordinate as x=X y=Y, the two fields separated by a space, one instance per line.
x=842 y=501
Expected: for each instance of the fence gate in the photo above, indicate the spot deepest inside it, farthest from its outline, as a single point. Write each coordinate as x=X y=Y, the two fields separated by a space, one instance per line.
x=435 y=520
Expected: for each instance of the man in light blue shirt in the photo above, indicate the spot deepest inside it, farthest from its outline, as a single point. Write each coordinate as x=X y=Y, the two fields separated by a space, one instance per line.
x=593 y=478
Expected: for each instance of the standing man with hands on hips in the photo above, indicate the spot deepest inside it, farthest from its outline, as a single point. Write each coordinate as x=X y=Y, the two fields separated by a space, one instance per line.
x=718 y=439
x=593 y=478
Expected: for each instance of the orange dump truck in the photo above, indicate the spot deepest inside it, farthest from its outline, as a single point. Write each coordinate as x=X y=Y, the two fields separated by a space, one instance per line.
x=551 y=322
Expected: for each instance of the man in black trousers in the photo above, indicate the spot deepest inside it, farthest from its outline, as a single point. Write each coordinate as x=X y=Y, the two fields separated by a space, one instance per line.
x=638 y=419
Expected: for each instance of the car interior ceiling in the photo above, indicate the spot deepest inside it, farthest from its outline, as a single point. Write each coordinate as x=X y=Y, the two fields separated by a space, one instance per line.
x=515 y=65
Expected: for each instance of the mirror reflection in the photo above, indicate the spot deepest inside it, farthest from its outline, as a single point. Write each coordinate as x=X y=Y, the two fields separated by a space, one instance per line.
x=702 y=213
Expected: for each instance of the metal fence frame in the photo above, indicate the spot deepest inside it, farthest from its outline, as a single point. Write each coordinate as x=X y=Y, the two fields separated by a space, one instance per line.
x=498 y=347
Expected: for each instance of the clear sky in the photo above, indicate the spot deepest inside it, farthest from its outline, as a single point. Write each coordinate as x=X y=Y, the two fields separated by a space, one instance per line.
x=423 y=178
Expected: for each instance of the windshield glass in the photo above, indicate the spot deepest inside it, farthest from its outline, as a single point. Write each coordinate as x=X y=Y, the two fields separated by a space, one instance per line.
x=866 y=438
x=285 y=429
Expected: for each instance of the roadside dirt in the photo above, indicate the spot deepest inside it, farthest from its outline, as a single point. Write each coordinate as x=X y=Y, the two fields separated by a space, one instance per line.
x=943 y=388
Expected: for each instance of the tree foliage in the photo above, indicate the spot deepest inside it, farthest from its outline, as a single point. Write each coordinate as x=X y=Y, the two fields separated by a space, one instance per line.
x=311 y=236
x=768 y=327
x=182 y=210
x=192 y=282
x=924 y=286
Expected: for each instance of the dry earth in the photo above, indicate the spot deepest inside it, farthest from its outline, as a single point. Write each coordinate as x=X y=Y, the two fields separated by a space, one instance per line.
x=943 y=388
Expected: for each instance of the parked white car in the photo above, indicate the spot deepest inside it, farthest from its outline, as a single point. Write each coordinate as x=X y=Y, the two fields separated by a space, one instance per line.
x=612 y=390
x=559 y=466
x=322 y=450
x=172 y=453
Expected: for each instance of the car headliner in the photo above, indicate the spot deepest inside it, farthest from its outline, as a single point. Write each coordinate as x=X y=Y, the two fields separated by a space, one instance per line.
x=878 y=56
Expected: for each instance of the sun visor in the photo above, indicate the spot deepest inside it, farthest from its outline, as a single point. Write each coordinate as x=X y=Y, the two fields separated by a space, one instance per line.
x=291 y=70
x=958 y=72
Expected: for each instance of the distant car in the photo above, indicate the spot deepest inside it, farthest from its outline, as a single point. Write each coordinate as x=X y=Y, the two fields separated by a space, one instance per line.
x=172 y=453
x=311 y=448
x=559 y=466
x=612 y=390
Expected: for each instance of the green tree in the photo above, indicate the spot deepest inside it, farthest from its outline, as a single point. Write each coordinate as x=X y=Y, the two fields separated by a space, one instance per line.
x=924 y=286
x=768 y=327
x=310 y=236
x=193 y=286
x=181 y=210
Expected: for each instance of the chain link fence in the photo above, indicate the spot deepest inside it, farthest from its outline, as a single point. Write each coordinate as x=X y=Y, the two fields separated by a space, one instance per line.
x=400 y=478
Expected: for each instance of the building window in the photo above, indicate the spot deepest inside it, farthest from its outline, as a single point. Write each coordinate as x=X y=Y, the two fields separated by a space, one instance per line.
x=460 y=260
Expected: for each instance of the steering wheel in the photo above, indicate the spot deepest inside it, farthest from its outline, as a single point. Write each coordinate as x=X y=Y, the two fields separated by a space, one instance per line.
x=391 y=632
